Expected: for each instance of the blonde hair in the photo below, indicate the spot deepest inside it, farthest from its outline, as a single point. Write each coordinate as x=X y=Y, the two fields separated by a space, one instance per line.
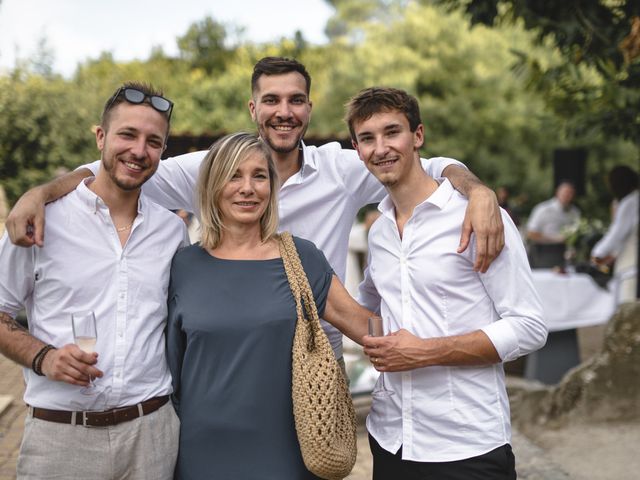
x=219 y=165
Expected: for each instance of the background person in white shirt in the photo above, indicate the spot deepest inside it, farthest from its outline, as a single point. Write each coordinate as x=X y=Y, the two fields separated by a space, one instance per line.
x=620 y=243
x=108 y=250
x=451 y=327
x=549 y=218
x=322 y=188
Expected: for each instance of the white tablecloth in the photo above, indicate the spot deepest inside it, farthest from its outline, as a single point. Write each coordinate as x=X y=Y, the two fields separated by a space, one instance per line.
x=572 y=300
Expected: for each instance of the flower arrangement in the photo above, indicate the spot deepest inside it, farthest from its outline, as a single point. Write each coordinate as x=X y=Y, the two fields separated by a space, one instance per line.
x=580 y=238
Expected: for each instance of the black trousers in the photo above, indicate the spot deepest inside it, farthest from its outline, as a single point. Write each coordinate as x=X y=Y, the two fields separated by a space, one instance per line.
x=498 y=464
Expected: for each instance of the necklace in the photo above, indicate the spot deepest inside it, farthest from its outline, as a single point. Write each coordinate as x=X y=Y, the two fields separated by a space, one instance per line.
x=123 y=229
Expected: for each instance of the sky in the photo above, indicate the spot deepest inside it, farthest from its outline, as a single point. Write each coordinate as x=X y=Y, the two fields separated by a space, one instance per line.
x=80 y=29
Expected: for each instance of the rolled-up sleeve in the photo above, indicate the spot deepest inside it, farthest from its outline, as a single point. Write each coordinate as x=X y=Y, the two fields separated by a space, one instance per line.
x=16 y=276
x=521 y=328
x=435 y=166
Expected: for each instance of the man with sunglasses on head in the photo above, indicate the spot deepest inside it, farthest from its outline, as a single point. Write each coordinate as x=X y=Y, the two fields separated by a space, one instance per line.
x=322 y=188
x=109 y=251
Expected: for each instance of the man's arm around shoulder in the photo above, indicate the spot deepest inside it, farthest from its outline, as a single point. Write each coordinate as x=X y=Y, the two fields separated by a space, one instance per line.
x=482 y=217
x=25 y=223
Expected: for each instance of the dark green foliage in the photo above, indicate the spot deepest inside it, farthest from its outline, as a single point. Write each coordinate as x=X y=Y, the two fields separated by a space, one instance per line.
x=601 y=35
x=472 y=83
x=43 y=127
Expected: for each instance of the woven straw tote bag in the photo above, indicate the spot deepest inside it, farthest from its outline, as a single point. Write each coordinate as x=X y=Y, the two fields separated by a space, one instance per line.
x=322 y=407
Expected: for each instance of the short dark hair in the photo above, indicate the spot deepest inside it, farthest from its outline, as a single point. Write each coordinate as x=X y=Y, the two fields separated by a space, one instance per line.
x=622 y=180
x=278 y=66
x=374 y=100
x=116 y=99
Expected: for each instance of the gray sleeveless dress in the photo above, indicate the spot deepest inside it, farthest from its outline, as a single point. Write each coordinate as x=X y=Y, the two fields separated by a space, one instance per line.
x=229 y=336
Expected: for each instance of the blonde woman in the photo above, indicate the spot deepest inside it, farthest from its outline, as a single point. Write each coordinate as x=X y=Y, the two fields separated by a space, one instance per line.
x=231 y=323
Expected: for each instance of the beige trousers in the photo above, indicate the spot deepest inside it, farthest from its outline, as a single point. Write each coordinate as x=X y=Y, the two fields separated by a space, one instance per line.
x=144 y=448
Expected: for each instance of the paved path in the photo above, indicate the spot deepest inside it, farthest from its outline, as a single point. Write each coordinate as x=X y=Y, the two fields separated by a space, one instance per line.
x=532 y=463
x=11 y=417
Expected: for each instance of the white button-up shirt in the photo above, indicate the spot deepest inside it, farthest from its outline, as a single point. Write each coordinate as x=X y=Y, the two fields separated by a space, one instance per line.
x=623 y=226
x=318 y=203
x=419 y=283
x=83 y=266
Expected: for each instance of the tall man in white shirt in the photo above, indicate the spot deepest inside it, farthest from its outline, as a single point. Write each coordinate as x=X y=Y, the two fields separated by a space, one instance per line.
x=322 y=188
x=451 y=327
x=109 y=251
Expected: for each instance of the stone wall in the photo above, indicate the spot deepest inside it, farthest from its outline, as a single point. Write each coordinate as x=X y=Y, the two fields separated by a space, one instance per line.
x=606 y=388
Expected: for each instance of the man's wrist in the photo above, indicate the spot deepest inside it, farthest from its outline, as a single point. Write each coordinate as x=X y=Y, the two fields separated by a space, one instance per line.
x=477 y=188
x=38 y=359
x=41 y=194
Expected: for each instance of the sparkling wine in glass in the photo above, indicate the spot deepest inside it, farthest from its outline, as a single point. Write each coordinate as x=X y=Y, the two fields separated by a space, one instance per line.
x=376 y=330
x=85 y=336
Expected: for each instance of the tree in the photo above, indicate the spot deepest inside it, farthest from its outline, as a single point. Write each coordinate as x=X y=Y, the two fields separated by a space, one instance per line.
x=43 y=126
x=599 y=35
x=473 y=106
x=204 y=45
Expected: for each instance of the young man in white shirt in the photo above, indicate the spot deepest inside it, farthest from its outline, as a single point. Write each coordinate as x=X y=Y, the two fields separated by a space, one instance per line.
x=322 y=188
x=109 y=251
x=451 y=326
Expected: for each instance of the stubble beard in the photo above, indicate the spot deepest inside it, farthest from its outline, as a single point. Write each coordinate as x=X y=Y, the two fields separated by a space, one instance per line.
x=388 y=182
x=109 y=167
x=281 y=149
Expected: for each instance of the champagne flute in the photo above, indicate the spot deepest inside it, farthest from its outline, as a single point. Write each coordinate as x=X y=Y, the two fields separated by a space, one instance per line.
x=376 y=330
x=85 y=336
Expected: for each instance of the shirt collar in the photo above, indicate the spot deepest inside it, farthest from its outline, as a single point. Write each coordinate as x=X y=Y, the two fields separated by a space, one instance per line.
x=438 y=199
x=94 y=203
x=309 y=160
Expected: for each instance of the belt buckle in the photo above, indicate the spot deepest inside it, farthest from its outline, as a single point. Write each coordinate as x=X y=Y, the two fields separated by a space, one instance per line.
x=85 y=418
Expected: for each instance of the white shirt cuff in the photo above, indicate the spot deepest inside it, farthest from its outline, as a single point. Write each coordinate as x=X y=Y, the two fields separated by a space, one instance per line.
x=504 y=340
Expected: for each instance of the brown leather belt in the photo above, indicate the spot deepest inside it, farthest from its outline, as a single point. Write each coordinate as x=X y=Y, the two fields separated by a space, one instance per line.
x=101 y=419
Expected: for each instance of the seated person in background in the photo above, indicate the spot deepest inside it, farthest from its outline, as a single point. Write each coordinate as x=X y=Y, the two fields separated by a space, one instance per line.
x=620 y=243
x=546 y=223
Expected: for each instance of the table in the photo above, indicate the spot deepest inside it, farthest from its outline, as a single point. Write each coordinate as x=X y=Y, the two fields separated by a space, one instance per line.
x=570 y=301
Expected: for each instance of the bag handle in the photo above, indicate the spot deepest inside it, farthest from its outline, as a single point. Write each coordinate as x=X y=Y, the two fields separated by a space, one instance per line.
x=305 y=304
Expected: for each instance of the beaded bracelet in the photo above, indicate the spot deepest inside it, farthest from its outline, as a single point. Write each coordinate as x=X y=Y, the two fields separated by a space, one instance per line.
x=36 y=364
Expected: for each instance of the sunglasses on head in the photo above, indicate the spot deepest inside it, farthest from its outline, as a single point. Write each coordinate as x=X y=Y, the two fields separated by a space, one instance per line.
x=135 y=96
